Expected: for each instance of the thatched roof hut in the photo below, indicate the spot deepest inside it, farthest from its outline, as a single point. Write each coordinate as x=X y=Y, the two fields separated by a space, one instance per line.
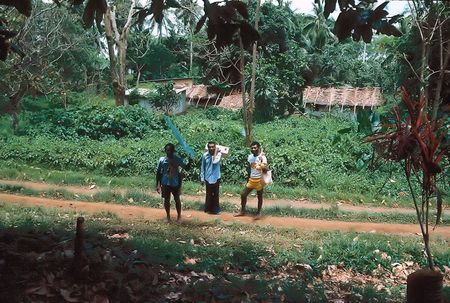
x=202 y=95
x=233 y=101
x=197 y=92
x=351 y=97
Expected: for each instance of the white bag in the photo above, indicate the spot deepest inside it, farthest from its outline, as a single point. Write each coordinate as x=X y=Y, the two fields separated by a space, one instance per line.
x=267 y=178
x=225 y=150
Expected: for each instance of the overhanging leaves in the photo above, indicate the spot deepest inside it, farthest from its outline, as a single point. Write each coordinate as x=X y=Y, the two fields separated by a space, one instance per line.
x=23 y=6
x=241 y=7
x=156 y=8
x=345 y=23
x=389 y=29
x=359 y=21
x=248 y=33
x=330 y=6
x=227 y=20
x=200 y=24
x=378 y=13
x=94 y=10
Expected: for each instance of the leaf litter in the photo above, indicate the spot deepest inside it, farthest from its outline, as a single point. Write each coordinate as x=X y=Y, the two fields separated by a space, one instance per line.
x=35 y=267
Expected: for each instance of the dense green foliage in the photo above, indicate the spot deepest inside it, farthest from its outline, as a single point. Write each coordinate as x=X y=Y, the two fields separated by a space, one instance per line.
x=93 y=122
x=58 y=54
x=127 y=141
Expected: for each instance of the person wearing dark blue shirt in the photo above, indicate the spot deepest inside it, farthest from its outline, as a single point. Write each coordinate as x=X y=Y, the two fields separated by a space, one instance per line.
x=210 y=175
x=168 y=178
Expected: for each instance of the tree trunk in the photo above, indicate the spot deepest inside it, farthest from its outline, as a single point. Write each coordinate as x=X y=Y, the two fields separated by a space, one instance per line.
x=444 y=63
x=245 y=109
x=191 y=57
x=424 y=64
x=122 y=45
x=253 y=83
x=139 y=73
x=15 y=99
x=13 y=108
x=191 y=46
x=111 y=52
x=119 y=41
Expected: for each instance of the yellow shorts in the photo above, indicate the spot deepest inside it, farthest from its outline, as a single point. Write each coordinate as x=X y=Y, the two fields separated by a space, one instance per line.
x=255 y=183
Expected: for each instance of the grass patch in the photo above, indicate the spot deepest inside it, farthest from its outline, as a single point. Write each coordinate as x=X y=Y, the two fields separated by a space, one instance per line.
x=248 y=248
x=20 y=171
x=234 y=250
x=136 y=197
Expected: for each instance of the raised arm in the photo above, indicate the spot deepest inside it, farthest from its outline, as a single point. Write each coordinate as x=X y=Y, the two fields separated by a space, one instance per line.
x=217 y=157
x=185 y=166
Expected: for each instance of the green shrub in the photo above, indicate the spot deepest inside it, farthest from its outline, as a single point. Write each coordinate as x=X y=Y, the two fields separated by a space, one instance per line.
x=133 y=98
x=127 y=141
x=163 y=97
x=95 y=122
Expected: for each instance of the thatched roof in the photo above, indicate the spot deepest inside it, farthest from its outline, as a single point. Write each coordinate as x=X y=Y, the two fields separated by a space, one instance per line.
x=365 y=97
x=199 y=92
x=231 y=102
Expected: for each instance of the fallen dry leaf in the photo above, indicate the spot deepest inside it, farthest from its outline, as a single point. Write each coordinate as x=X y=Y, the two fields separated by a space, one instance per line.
x=66 y=294
x=303 y=266
x=188 y=260
x=100 y=299
x=174 y=295
x=155 y=280
x=120 y=236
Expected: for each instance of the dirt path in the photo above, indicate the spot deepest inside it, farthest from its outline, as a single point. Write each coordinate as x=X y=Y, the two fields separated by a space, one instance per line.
x=144 y=213
x=298 y=203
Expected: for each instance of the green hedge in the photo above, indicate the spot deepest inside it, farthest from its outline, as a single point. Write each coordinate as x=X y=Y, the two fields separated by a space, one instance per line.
x=94 y=122
x=128 y=141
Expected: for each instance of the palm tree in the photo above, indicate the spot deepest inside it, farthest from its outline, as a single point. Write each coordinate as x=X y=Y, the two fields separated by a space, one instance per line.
x=189 y=14
x=318 y=29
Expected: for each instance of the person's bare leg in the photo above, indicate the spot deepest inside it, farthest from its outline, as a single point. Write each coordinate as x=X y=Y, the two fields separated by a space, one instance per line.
x=176 y=197
x=167 y=206
x=259 y=194
x=244 y=195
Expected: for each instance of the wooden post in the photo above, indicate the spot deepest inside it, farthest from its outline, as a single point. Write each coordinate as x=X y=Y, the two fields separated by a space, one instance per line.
x=330 y=98
x=207 y=101
x=217 y=99
x=78 y=255
x=317 y=95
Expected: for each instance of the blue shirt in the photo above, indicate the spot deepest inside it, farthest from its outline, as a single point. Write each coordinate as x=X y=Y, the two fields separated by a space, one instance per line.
x=169 y=170
x=210 y=168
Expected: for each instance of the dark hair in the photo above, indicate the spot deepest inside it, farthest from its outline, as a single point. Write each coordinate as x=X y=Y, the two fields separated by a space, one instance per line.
x=255 y=143
x=169 y=145
x=211 y=142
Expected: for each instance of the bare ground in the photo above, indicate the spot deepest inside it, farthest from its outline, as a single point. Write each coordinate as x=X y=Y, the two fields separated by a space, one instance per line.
x=297 y=203
x=129 y=212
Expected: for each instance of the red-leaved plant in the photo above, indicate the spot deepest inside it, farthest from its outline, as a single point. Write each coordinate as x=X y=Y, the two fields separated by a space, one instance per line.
x=421 y=146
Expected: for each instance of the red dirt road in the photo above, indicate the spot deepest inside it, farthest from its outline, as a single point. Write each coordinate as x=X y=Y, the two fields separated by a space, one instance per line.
x=144 y=213
x=301 y=203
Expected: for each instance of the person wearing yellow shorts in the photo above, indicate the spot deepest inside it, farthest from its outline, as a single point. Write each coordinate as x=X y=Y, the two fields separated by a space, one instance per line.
x=257 y=165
